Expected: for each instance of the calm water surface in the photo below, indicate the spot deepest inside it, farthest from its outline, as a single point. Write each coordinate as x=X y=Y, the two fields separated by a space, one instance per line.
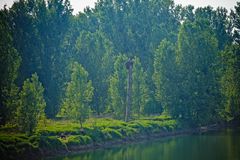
x=221 y=145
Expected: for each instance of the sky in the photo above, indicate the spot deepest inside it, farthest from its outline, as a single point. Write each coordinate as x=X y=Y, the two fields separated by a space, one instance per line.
x=79 y=5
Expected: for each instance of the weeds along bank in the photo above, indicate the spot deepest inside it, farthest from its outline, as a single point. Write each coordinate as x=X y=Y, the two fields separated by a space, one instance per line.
x=66 y=136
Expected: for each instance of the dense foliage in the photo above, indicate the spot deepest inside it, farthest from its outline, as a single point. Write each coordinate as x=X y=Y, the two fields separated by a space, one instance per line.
x=79 y=94
x=31 y=105
x=47 y=140
x=186 y=60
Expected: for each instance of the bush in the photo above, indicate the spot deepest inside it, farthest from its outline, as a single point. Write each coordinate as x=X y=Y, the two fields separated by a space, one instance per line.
x=141 y=126
x=31 y=106
x=23 y=147
x=110 y=134
x=50 y=143
x=87 y=139
x=127 y=131
x=78 y=140
x=16 y=145
x=73 y=140
x=96 y=135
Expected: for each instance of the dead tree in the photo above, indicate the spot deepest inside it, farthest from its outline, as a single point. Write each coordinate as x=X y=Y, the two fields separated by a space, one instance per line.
x=129 y=66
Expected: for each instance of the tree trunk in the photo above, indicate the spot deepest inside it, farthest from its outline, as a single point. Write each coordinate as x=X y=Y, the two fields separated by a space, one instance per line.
x=129 y=94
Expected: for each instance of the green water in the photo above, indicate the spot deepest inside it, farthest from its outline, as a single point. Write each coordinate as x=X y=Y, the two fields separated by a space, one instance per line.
x=221 y=145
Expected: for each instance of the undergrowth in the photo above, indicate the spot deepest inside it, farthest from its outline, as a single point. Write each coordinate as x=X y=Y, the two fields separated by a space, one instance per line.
x=62 y=134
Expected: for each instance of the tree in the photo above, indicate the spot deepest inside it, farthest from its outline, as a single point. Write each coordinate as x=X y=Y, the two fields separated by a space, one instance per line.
x=78 y=96
x=118 y=88
x=38 y=28
x=187 y=13
x=176 y=46
x=140 y=91
x=197 y=58
x=26 y=39
x=230 y=81
x=235 y=18
x=165 y=78
x=94 y=47
x=31 y=105
x=219 y=23
x=52 y=23
x=9 y=65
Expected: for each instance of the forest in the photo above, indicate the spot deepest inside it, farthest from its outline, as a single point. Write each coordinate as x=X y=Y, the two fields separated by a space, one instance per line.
x=59 y=66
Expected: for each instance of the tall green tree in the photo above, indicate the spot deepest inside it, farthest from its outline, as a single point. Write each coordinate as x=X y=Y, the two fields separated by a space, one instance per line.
x=38 y=28
x=31 y=105
x=165 y=78
x=78 y=96
x=53 y=21
x=197 y=58
x=219 y=22
x=95 y=53
x=140 y=90
x=230 y=80
x=9 y=65
x=26 y=39
x=187 y=13
x=235 y=18
x=118 y=88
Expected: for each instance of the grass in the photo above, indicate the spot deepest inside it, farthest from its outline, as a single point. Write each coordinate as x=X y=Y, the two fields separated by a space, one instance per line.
x=16 y=144
x=62 y=134
x=104 y=129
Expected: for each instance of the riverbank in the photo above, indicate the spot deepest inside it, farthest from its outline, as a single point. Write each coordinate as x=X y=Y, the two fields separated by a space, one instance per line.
x=222 y=144
x=140 y=138
x=63 y=137
x=128 y=140
x=57 y=137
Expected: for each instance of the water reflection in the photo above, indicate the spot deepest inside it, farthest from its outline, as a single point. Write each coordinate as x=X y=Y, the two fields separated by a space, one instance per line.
x=224 y=145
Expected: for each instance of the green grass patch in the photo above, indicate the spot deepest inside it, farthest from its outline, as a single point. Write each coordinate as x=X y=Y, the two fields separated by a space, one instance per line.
x=77 y=140
x=51 y=142
x=111 y=134
x=17 y=145
x=52 y=128
x=61 y=134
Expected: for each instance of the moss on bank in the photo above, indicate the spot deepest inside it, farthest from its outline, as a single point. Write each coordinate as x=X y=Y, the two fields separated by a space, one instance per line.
x=62 y=136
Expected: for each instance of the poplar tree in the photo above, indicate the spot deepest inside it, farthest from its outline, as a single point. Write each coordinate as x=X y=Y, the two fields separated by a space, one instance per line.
x=197 y=56
x=230 y=81
x=165 y=77
x=78 y=96
x=31 y=105
x=140 y=90
x=9 y=65
x=118 y=87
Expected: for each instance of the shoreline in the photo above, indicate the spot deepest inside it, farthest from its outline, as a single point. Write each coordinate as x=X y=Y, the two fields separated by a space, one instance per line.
x=49 y=145
x=140 y=138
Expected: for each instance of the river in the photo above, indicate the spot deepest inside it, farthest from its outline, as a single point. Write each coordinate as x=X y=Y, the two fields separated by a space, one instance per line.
x=220 y=145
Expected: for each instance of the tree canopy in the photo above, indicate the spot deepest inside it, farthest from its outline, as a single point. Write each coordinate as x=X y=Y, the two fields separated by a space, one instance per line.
x=186 y=60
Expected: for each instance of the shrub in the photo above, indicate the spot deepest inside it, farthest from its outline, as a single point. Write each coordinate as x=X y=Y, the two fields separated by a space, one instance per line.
x=110 y=134
x=78 y=140
x=127 y=131
x=50 y=142
x=31 y=105
x=73 y=140
x=96 y=135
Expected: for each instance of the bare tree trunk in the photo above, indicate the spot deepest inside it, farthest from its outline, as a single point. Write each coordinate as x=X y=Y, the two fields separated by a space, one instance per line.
x=81 y=125
x=129 y=94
